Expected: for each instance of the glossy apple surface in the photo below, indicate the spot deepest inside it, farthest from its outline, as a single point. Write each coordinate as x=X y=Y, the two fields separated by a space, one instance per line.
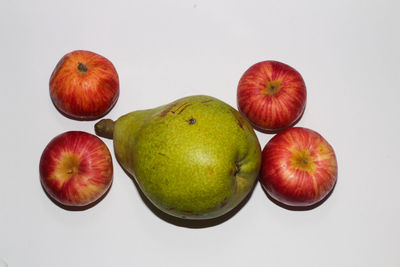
x=76 y=168
x=299 y=167
x=272 y=95
x=84 y=85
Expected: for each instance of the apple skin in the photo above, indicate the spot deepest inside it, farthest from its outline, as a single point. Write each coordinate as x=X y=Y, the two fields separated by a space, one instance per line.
x=76 y=168
x=299 y=167
x=84 y=85
x=272 y=95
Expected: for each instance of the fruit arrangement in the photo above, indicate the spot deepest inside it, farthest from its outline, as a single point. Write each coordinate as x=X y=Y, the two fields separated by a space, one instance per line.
x=194 y=158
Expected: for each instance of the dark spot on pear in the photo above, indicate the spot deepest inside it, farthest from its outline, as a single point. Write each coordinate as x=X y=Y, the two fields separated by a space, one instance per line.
x=224 y=202
x=206 y=101
x=192 y=121
x=162 y=154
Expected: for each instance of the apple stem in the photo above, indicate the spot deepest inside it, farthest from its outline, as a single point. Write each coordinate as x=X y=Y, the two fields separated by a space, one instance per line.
x=105 y=128
x=82 y=67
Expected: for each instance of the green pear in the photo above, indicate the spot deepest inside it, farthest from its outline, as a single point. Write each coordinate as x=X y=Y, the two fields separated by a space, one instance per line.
x=195 y=158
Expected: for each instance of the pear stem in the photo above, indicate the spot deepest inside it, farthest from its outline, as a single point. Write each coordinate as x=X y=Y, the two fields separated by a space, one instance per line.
x=105 y=128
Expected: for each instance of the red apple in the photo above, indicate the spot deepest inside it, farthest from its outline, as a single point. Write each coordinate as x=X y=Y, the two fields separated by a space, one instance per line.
x=84 y=85
x=76 y=168
x=299 y=167
x=272 y=95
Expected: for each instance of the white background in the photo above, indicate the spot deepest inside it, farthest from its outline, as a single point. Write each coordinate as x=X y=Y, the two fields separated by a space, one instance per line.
x=348 y=53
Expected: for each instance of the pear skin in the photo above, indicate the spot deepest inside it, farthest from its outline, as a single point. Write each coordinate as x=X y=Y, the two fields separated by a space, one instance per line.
x=195 y=158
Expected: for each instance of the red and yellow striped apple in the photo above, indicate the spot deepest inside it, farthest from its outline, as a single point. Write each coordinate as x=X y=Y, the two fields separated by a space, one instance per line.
x=84 y=85
x=272 y=95
x=76 y=168
x=299 y=167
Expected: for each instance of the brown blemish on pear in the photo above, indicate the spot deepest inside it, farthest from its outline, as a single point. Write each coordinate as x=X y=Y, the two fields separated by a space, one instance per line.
x=168 y=109
x=185 y=105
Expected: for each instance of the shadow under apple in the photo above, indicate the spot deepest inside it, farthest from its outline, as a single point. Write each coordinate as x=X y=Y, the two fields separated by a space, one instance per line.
x=76 y=208
x=84 y=118
x=261 y=130
x=298 y=208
